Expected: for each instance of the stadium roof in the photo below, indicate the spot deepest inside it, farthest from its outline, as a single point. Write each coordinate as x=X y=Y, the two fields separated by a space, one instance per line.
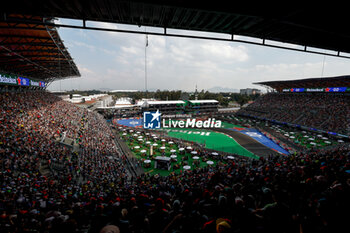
x=287 y=22
x=157 y=102
x=339 y=81
x=204 y=101
x=32 y=50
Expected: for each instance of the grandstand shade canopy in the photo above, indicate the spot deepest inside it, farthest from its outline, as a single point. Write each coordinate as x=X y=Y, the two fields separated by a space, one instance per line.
x=165 y=102
x=287 y=22
x=32 y=50
x=204 y=101
x=339 y=81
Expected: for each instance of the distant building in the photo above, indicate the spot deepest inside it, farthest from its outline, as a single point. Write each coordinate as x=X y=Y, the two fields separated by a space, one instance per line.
x=101 y=100
x=179 y=106
x=104 y=101
x=202 y=106
x=163 y=106
x=124 y=91
x=123 y=101
x=250 y=91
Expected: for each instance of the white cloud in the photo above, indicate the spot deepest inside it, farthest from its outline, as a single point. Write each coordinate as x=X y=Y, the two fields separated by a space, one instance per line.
x=85 y=71
x=225 y=52
x=83 y=44
x=118 y=60
x=128 y=50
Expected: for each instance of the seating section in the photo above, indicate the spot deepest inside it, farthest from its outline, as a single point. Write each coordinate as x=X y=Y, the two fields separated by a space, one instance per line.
x=299 y=193
x=329 y=112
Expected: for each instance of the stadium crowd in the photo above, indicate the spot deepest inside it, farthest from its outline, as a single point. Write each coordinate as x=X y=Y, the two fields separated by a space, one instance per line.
x=329 y=112
x=299 y=193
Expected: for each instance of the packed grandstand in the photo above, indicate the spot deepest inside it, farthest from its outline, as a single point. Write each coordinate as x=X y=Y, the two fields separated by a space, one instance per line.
x=322 y=111
x=68 y=168
x=48 y=188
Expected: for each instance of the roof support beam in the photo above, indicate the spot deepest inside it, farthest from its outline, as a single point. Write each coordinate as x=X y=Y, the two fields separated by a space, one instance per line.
x=28 y=60
x=50 y=24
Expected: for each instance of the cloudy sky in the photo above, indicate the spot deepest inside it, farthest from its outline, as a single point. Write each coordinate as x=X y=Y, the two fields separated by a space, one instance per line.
x=117 y=61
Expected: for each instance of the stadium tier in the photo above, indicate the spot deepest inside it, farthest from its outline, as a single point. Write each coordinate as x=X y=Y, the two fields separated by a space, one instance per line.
x=164 y=106
x=318 y=104
x=8 y=82
x=67 y=168
x=170 y=106
x=200 y=106
x=321 y=111
x=46 y=187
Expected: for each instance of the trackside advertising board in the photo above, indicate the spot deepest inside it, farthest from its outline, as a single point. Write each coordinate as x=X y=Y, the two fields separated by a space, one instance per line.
x=20 y=81
x=323 y=89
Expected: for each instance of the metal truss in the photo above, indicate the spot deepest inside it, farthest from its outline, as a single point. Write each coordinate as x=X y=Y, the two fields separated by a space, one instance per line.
x=263 y=42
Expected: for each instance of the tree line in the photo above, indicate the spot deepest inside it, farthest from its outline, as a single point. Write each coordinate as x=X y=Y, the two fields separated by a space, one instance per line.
x=223 y=97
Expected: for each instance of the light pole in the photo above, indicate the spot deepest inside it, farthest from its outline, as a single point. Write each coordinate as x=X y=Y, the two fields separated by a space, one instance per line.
x=146 y=45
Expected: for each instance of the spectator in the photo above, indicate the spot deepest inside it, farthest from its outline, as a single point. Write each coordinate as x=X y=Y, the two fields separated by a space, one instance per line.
x=308 y=191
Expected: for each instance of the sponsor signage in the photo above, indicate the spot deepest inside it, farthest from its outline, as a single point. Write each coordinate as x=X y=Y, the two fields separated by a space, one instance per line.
x=336 y=89
x=8 y=80
x=42 y=84
x=326 y=89
x=314 y=89
x=34 y=83
x=20 y=81
x=297 y=89
x=23 y=81
x=200 y=133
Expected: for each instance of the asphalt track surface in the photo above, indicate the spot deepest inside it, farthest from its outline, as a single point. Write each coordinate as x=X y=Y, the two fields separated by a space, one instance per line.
x=248 y=143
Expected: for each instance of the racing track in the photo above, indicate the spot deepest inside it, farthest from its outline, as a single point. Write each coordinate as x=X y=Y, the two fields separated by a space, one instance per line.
x=248 y=143
x=244 y=140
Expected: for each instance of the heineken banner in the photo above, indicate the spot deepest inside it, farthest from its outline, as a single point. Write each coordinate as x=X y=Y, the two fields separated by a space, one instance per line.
x=20 y=81
x=323 y=89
